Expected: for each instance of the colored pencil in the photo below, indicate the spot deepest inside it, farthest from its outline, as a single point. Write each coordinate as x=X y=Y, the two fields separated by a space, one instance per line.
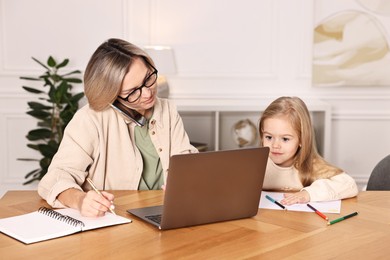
x=342 y=218
x=274 y=201
x=318 y=212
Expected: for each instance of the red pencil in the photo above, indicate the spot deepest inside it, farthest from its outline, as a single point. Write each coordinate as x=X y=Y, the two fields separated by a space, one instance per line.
x=318 y=212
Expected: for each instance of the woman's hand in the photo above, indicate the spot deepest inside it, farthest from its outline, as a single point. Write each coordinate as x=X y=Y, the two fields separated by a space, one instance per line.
x=295 y=198
x=95 y=205
x=90 y=204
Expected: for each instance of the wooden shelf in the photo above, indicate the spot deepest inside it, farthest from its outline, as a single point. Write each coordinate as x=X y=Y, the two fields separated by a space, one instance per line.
x=211 y=121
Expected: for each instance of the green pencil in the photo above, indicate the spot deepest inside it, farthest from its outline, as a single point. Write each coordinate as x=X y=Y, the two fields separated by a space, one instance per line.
x=342 y=218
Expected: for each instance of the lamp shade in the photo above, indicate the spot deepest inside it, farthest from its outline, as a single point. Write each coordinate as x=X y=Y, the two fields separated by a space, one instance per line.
x=163 y=58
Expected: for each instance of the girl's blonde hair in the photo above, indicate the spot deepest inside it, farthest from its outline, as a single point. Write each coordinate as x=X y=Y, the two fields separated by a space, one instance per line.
x=106 y=70
x=309 y=163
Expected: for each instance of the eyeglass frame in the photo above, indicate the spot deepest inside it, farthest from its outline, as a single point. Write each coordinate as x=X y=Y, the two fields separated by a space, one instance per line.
x=142 y=86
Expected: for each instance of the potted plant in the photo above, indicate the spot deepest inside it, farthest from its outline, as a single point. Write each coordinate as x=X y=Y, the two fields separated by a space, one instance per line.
x=54 y=109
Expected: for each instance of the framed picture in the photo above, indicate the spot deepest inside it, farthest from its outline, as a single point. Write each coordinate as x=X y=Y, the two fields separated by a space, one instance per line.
x=351 y=43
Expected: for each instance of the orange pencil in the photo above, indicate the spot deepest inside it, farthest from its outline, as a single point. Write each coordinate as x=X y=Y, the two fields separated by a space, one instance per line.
x=318 y=212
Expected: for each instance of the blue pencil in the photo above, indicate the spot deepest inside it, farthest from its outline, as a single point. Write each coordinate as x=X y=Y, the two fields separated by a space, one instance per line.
x=274 y=201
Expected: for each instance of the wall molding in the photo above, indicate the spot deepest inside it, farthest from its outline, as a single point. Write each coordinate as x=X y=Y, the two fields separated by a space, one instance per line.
x=274 y=92
x=359 y=116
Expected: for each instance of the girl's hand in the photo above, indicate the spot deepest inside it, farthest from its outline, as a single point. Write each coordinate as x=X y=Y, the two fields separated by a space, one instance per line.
x=295 y=198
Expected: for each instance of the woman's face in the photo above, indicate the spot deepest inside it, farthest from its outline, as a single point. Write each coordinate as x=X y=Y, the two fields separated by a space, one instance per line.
x=282 y=140
x=137 y=76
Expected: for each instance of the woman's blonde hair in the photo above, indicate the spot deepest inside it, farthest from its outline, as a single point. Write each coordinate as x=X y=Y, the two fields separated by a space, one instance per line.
x=309 y=163
x=106 y=70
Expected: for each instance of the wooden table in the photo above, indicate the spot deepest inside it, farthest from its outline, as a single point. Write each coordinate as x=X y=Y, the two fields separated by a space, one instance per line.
x=272 y=234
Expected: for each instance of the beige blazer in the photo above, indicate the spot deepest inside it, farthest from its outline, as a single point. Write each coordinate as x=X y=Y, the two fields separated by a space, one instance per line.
x=101 y=145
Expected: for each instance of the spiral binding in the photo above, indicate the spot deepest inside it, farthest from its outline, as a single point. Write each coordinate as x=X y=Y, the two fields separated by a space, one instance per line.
x=56 y=215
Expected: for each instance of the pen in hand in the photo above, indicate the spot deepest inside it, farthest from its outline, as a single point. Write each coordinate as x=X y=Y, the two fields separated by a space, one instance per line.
x=98 y=192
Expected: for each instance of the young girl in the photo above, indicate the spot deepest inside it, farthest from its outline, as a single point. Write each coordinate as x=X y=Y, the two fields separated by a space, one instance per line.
x=294 y=164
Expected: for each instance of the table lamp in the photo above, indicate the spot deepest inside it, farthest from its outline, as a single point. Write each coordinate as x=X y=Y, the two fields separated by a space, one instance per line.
x=164 y=60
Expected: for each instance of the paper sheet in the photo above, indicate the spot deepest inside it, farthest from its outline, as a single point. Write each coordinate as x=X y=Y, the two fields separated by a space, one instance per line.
x=333 y=206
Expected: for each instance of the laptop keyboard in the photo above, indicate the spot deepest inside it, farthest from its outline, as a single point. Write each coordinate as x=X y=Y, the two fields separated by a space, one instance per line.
x=155 y=218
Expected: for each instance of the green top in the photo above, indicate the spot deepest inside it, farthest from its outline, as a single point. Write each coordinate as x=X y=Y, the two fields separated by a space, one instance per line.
x=152 y=175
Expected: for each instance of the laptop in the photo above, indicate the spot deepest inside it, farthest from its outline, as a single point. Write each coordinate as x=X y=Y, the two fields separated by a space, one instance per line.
x=209 y=187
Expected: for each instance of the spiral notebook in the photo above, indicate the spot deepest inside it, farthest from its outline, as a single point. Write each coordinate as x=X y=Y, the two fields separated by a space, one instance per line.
x=46 y=224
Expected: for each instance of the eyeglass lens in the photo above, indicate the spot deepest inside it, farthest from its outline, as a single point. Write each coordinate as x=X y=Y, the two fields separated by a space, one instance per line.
x=136 y=94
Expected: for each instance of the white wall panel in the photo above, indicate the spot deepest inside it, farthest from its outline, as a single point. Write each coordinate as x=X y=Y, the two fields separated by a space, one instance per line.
x=64 y=29
x=14 y=126
x=17 y=127
x=246 y=50
x=360 y=140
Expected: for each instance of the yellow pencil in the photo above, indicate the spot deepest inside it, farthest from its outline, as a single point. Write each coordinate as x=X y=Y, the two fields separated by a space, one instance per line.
x=98 y=192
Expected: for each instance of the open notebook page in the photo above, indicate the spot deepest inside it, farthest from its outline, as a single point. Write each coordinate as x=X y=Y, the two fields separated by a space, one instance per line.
x=37 y=226
x=93 y=223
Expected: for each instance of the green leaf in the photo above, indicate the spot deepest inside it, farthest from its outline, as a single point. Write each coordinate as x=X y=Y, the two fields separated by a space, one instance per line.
x=51 y=95
x=38 y=106
x=28 y=78
x=51 y=62
x=33 y=146
x=33 y=90
x=44 y=163
x=48 y=82
x=63 y=64
x=55 y=78
x=73 y=80
x=31 y=173
x=77 y=97
x=43 y=65
x=72 y=72
x=47 y=150
x=45 y=124
x=67 y=115
x=27 y=160
x=39 y=134
x=61 y=92
x=39 y=114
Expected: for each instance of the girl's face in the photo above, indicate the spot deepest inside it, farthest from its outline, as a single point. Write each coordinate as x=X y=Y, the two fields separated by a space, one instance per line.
x=282 y=140
x=139 y=74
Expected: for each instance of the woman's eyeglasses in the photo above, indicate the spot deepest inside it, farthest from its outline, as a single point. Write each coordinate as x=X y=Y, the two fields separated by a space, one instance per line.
x=134 y=95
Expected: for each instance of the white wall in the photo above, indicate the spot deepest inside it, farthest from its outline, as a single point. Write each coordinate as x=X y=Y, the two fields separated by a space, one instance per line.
x=246 y=50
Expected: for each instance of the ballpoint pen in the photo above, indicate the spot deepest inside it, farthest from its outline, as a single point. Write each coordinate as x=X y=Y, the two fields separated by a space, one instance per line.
x=342 y=218
x=98 y=192
x=274 y=201
x=318 y=212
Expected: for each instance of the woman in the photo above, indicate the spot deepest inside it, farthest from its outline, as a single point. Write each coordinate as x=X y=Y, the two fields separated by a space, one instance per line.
x=108 y=147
